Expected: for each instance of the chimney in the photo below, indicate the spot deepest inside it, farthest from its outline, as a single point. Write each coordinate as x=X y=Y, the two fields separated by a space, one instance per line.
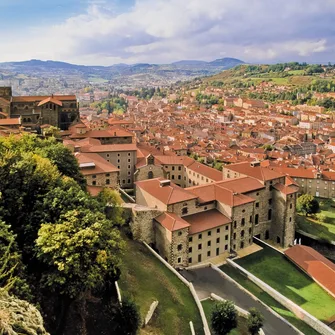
x=163 y=183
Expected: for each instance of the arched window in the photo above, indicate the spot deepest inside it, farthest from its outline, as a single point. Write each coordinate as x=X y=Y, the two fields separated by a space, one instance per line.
x=151 y=160
x=242 y=233
x=150 y=175
x=184 y=210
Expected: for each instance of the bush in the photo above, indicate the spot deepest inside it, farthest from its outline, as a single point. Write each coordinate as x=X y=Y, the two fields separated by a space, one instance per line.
x=322 y=218
x=255 y=321
x=224 y=317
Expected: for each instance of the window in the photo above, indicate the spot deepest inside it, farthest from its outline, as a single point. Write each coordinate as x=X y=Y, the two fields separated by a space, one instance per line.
x=291 y=206
x=107 y=155
x=119 y=167
x=200 y=236
x=209 y=233
x=218 y=240
x=123 y=181
x=243 y=211
x=118 y=161
x=234 y=236
x=129 y=173
x=150 y=175
x=243 y=222
x=290 y=219
x=234 y=246
x=208 y=243
x=242 y=245
x=226 y=237
x=199 y=258
x=199 y=246
x=179 y=168
x=172 y=176
x=218 y=230
x=242 y=233
x=227 y=227
x=208 y=254
x=108 y=181
x=234 y=224
x=129 y=181
x=250 y=219
x=179 y=260
x=205 y=208
x=190 y=239
x=179 y=177
x=190 y=249
x=184 y=211
x=226 y=247
x=257 y=204
x=217 y=251
x=180 y=233
x=129 y=166
x=179 y=247
x=118 y=155
x=269 y=214
x=107 y=174
x=256 y=219
x=270 y=201
x=94 y=182
x=128 y=153
x=249 y=231
x=190 y=260
x=128 y=160
x=94 y=176
x=172 y=168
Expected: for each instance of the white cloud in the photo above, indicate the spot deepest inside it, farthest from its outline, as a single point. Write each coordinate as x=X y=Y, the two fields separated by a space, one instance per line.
x=167 y=30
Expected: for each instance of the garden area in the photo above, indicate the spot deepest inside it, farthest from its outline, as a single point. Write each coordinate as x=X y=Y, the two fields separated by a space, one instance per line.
x=267 y=299
x=242 y=323
x=278 y=272
x=145 y=279
x=321 y=223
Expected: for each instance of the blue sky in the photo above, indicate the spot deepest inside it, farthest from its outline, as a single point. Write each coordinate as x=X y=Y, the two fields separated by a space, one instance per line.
x=104 y=32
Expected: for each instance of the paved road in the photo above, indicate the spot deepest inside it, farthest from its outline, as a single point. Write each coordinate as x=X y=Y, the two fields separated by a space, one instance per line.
x=207 y=281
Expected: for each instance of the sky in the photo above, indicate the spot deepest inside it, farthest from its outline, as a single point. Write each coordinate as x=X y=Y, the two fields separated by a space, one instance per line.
x=106 y=32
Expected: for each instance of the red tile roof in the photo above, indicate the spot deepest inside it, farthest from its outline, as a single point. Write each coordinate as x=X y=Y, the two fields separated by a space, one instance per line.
x=315 y=265
x=169 y=194
x=50 y=99
x=100 y=164
x=40 y=98
x=206 y=220
x=171 y=221
x=258 y=172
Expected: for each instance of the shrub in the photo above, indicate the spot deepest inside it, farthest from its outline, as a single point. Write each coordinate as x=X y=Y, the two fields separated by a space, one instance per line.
x=224 y=317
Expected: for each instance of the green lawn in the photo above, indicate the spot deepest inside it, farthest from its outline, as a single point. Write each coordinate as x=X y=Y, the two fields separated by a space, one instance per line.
x=322 y=230
x=278 y=272
x=242 y=323
x=145 y=279
x=268 y=300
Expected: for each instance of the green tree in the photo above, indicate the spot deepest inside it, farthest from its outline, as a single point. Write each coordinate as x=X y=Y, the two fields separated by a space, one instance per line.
x=224 y=317
x=128 y=318
x=81 y=250
x=307 y=204
x=255 y=321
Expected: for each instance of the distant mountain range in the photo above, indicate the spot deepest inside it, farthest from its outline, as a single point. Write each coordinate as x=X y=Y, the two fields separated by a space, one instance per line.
x=181 y=70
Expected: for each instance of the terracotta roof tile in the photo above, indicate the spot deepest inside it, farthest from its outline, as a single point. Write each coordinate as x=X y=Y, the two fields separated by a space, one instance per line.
x=171 y=221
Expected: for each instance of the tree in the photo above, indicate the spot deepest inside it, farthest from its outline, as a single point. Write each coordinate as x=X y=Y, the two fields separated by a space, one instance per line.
x=81 y=250
x=128 y=318
x=224 y=317
x=255 y=321
x=307 y=204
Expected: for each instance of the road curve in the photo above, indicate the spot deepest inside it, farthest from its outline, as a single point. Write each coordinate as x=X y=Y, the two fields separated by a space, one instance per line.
x=207 y=281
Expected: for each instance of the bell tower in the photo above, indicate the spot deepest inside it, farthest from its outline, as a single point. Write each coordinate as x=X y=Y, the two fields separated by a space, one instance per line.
x=6 y=93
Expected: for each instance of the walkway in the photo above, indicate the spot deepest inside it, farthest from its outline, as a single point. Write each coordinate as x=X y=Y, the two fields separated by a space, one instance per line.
x=207 y=281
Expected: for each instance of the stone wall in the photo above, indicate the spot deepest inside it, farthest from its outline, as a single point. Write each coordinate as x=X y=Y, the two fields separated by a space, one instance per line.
x=294 y=308
x=163 y=241
x=142 y=173
x=179 y=248
x=101 y=179
x=242 y=226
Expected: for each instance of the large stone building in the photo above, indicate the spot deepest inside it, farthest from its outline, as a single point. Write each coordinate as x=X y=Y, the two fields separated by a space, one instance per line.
x=56 y=110
x=204 y=221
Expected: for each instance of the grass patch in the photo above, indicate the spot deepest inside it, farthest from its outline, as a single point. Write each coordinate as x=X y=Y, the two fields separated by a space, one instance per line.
x=268 y=300
x=325 y=231
x=145 y=279
x=301 y=80
x=278 y=272
x=97 y=80
x=242 y=323
x=316 y=228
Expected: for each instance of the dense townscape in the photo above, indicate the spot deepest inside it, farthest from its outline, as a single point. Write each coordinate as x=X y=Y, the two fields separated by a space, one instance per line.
x=219 y=180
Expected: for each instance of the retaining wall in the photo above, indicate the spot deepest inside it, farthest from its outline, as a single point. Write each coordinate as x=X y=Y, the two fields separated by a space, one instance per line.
x=188 y=284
